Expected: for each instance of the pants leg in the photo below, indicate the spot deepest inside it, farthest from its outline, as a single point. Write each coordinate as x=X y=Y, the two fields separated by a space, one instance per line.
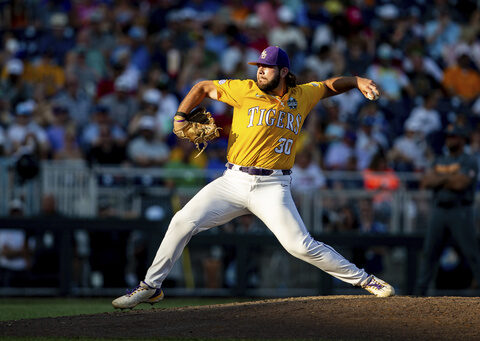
x=272 y=202
x=462 y=227
x=217 y=203
x=433 y=246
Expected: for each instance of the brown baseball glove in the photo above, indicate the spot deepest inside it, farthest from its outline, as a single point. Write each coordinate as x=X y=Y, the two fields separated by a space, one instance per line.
x=199 y=129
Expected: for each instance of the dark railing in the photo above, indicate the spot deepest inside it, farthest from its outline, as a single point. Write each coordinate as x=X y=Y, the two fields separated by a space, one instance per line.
x=241 y=242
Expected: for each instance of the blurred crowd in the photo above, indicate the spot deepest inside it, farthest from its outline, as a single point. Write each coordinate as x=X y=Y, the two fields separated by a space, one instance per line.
x=99 y=81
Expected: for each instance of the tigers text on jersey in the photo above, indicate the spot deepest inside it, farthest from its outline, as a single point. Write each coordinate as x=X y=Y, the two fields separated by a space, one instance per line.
x=265 y=127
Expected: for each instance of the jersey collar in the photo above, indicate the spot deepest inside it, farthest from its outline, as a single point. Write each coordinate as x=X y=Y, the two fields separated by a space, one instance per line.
x=279 y=99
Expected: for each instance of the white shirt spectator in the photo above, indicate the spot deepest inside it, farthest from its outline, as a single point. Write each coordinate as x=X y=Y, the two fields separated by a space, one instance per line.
x=412 y=148
x=323 y=68
x=287 y=34
x=323 y=35
x=412 y=145
x=14 y=240
x=348 y=104
x=307 y=179
x=230 y=59
x=337 y=155
x=156 y=150
x=16 y=133
x=146 y=149
x=427 y=120
x=91 y=133
x=367 y=146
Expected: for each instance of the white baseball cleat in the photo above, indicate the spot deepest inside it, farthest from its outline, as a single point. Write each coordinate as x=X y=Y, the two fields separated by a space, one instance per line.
x=378 y=287
x=142 y=293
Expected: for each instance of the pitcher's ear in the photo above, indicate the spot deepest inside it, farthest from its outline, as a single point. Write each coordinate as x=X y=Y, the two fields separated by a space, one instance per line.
x=284 y=71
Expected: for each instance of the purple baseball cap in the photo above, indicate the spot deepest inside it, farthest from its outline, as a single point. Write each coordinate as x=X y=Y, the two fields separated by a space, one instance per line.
x=273 y=56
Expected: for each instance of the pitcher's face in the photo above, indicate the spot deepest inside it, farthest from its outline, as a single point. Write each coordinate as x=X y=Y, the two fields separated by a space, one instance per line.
x=268 y=77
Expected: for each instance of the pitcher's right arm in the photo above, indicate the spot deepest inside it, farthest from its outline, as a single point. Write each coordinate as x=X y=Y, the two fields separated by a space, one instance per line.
x=194 y=97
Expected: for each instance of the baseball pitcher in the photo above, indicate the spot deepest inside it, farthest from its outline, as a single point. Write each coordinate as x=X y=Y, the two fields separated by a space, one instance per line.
x=267 y=117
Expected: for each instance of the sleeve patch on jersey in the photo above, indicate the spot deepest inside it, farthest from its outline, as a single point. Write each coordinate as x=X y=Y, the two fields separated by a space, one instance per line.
x=292 y=103
x=223 y=81
x=314 y=84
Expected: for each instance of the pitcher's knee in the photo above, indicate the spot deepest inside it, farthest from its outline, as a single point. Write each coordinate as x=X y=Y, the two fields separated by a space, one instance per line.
x=299 y=250
x=181 y=224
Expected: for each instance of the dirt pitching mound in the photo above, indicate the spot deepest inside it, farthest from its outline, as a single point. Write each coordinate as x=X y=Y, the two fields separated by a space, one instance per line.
x=330 y=317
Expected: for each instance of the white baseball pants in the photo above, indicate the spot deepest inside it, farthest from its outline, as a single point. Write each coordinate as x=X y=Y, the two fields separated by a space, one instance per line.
x=237 y=193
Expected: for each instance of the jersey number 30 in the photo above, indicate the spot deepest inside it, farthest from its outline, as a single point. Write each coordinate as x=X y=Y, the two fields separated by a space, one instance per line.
x=285 y=146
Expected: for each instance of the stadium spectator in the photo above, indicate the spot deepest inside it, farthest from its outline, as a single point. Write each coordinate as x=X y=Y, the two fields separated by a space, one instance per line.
x=462 y=79
x=254 y=34
x=13 y=88
x=409 y=152
x=306 y=174
x=15 y=253
x=77 y=101
x=372 y=112
x=335 y=129
x=467 y=44
x=368 y=143
x=168 y=105
x=105 y=149
x=200 y=64
x=393 y=82
x=140 y=55
x=101 y=117
x=98 y=40
x=149 y=106
x=340 y=152
x=289 y=36
x=25 y=134
x=56 y=132
x=76 y=64
x=441 y=32
x=58 y=39
x=70 y=151
x=146 y=150
x=391 y=79
x=381 y=181
x=357 y=57
x=217 y=36
x=46 y=73
x=424 y=74
x=121 y=102
x=183 y=158
x=425 y=116
x=321 y=63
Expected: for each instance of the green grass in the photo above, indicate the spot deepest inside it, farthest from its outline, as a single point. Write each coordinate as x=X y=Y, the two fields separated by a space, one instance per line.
x=27 y=308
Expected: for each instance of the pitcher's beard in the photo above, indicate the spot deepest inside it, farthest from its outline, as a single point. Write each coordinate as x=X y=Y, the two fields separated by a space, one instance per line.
x=270 y=85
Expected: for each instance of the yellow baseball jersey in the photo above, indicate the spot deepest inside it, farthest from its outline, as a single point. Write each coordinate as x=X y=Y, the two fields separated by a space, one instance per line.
x=265 y=127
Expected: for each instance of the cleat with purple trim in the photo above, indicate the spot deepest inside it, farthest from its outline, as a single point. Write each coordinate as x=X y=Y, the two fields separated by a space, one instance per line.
x=378 y=287
x=142 y=293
